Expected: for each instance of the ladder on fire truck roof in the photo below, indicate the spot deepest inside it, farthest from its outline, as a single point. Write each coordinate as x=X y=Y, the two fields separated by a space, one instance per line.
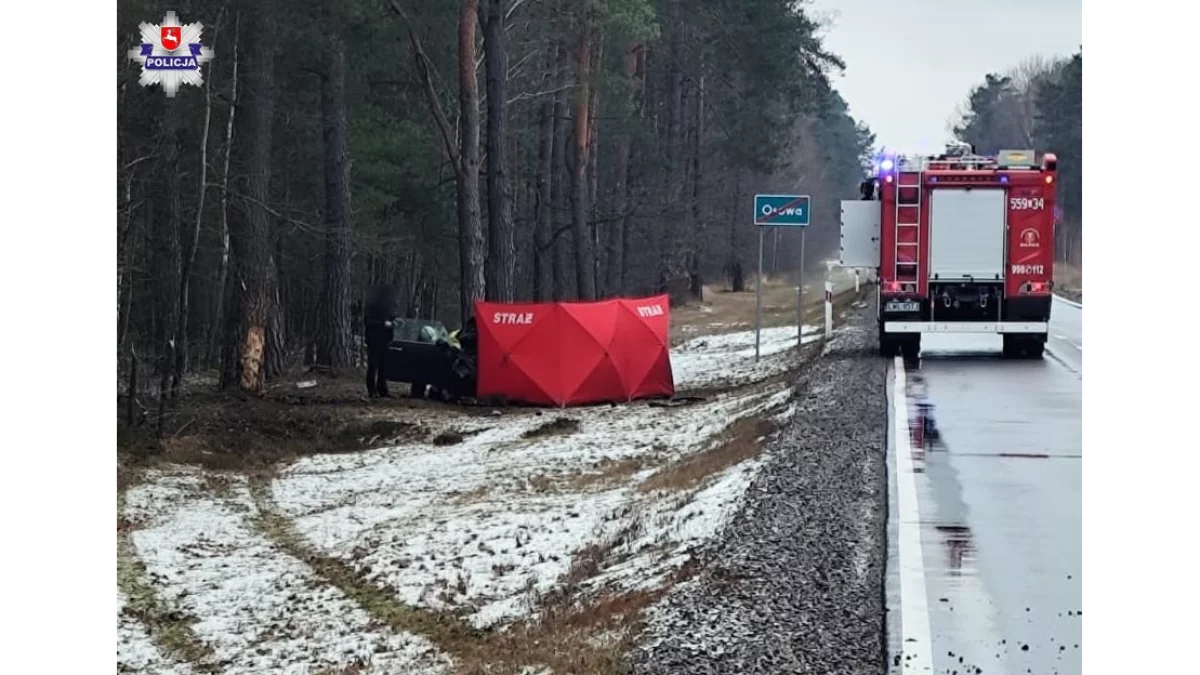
x=909 y=201
x=1004 y=159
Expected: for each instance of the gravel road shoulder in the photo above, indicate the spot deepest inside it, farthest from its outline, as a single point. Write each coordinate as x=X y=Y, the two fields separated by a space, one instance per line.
x=795 y=584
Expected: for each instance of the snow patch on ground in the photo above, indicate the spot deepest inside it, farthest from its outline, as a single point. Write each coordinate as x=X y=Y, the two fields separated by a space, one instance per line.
x=728 y=359
x=667 y=531
x=489 y=524
x=259 y=609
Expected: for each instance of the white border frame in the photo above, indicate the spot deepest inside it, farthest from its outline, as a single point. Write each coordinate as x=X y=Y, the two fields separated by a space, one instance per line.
x=1139 y=476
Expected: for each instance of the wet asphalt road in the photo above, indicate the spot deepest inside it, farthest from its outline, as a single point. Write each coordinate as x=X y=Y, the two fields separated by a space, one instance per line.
x=984 y=532
x=1066 y=334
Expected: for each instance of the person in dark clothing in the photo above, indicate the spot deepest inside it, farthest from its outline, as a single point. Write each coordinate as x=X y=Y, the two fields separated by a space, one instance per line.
x=377 y=329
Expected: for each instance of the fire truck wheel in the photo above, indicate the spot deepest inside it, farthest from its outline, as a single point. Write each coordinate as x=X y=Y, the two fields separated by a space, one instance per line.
x=1012 y=346
x=1022 y=346
x=910 y=346
x=889 y=346
x=1035 y=348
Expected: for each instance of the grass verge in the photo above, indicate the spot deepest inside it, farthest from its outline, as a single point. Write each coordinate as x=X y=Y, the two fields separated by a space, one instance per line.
x=742 y=440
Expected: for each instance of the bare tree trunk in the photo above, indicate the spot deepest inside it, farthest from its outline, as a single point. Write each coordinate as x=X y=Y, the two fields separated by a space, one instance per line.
x=230 y=332
x=171 y=259
x=501 y=261
x=189 y=258
x=131 y=389
x=470 y=228
x=218 y=315
x=584 y=275
x=127 y=248
x=670 y=239
x=278 y=357
x=252 y=240
x=593 y=175
x=560 y=160
x=543 y=278
x=696 y=263
x=125 y=317
x=614 y=280
x=737 y=274
x=123 y=229
x=617 y=233
x=149 y=253
x=333 y=319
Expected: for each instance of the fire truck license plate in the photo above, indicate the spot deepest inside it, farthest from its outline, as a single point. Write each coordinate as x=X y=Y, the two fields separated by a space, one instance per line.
x=896 y=306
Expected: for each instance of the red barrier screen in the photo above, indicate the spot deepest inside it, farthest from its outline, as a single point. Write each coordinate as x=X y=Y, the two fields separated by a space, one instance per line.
x=571 y=353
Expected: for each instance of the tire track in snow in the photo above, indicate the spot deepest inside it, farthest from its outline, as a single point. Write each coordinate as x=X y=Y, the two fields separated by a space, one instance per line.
x=152 y=637
x=137 y=651
x=259 y=610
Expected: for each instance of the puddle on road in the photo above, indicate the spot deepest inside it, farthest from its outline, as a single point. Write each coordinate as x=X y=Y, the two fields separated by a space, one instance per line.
x=922 y=423
x=960 y=548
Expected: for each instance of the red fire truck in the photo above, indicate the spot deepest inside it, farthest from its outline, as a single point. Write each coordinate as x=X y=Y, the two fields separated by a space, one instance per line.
x=961 y=243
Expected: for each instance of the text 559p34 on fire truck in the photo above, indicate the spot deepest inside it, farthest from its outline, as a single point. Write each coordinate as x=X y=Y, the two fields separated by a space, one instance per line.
x=961 y=243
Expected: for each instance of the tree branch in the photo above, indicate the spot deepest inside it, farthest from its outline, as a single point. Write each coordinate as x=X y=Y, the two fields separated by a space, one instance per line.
x=515 y=68
x=512 y=8
x=135 y=162
x=424 y=70
x=286 y=218
x=538 y=94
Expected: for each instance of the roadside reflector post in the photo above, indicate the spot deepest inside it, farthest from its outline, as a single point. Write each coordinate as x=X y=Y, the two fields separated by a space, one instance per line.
x=800 y=297
x=758 y=296
x=856 y=281
x=829 y=309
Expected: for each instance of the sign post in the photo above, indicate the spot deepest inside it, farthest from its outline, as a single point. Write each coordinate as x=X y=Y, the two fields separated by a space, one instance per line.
x=780 y=211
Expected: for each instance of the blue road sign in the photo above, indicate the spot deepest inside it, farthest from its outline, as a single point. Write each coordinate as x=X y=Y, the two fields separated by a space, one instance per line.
x=781 y=210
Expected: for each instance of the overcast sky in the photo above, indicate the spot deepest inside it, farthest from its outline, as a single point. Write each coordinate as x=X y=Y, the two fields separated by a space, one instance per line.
x=909 y=63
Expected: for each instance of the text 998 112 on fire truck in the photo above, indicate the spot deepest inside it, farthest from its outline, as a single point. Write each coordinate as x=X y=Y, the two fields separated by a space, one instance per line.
x=961 y=243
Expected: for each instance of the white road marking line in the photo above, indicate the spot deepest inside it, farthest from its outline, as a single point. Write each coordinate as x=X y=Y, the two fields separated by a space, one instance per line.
x=914 y=604
x=1063 y=338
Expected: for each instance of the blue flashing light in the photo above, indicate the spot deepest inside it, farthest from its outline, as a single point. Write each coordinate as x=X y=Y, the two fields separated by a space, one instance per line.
x=887 y=165
x=1004 y=180
x=933 y=179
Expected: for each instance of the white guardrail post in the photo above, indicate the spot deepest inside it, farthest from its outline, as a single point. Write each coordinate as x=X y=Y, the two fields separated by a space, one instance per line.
x=856 y=282
x=829 y=309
